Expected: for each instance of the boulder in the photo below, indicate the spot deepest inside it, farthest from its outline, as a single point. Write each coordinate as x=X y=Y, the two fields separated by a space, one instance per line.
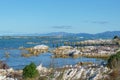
x=3 y=65
x=66 y=51
x=42 y=69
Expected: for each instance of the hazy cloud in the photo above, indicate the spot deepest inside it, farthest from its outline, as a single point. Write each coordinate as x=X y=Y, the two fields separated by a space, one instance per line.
x=96 y=22
x=62 y=27
x=100 y=22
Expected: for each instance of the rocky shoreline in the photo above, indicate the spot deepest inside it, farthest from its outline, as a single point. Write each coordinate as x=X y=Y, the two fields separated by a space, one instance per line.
x=68 y=72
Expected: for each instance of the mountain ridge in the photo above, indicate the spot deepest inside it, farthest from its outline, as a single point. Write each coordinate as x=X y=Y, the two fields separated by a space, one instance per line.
x=107 y=34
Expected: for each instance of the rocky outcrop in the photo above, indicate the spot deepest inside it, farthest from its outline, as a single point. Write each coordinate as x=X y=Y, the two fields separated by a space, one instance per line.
x=86 y=51
x=7 y=73
x=10 y=74
x=90 y=72
x=36 y=50
x=66 y=51
x=43 y=70
x=62 y=50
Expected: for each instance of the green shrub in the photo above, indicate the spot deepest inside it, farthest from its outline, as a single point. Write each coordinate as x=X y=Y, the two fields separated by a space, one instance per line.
x=30 y=71
x=114 y=61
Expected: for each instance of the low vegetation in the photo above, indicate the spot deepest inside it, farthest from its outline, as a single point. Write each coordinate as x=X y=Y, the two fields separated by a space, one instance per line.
x=114 y=64
x=30 y=72
x=114 y=61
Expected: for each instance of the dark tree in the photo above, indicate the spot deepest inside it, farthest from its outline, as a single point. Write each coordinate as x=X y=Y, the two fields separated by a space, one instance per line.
x=115 y=37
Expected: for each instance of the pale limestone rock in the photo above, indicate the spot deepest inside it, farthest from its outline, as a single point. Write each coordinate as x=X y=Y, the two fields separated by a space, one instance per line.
x=42 y=69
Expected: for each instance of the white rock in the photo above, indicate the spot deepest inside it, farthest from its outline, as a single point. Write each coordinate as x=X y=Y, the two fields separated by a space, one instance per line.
x=2 y=77
x=41 y=47
x=98 y=76
x=40 y=69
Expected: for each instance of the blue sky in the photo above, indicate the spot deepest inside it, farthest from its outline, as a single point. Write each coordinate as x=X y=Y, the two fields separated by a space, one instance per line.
x=44 y=16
